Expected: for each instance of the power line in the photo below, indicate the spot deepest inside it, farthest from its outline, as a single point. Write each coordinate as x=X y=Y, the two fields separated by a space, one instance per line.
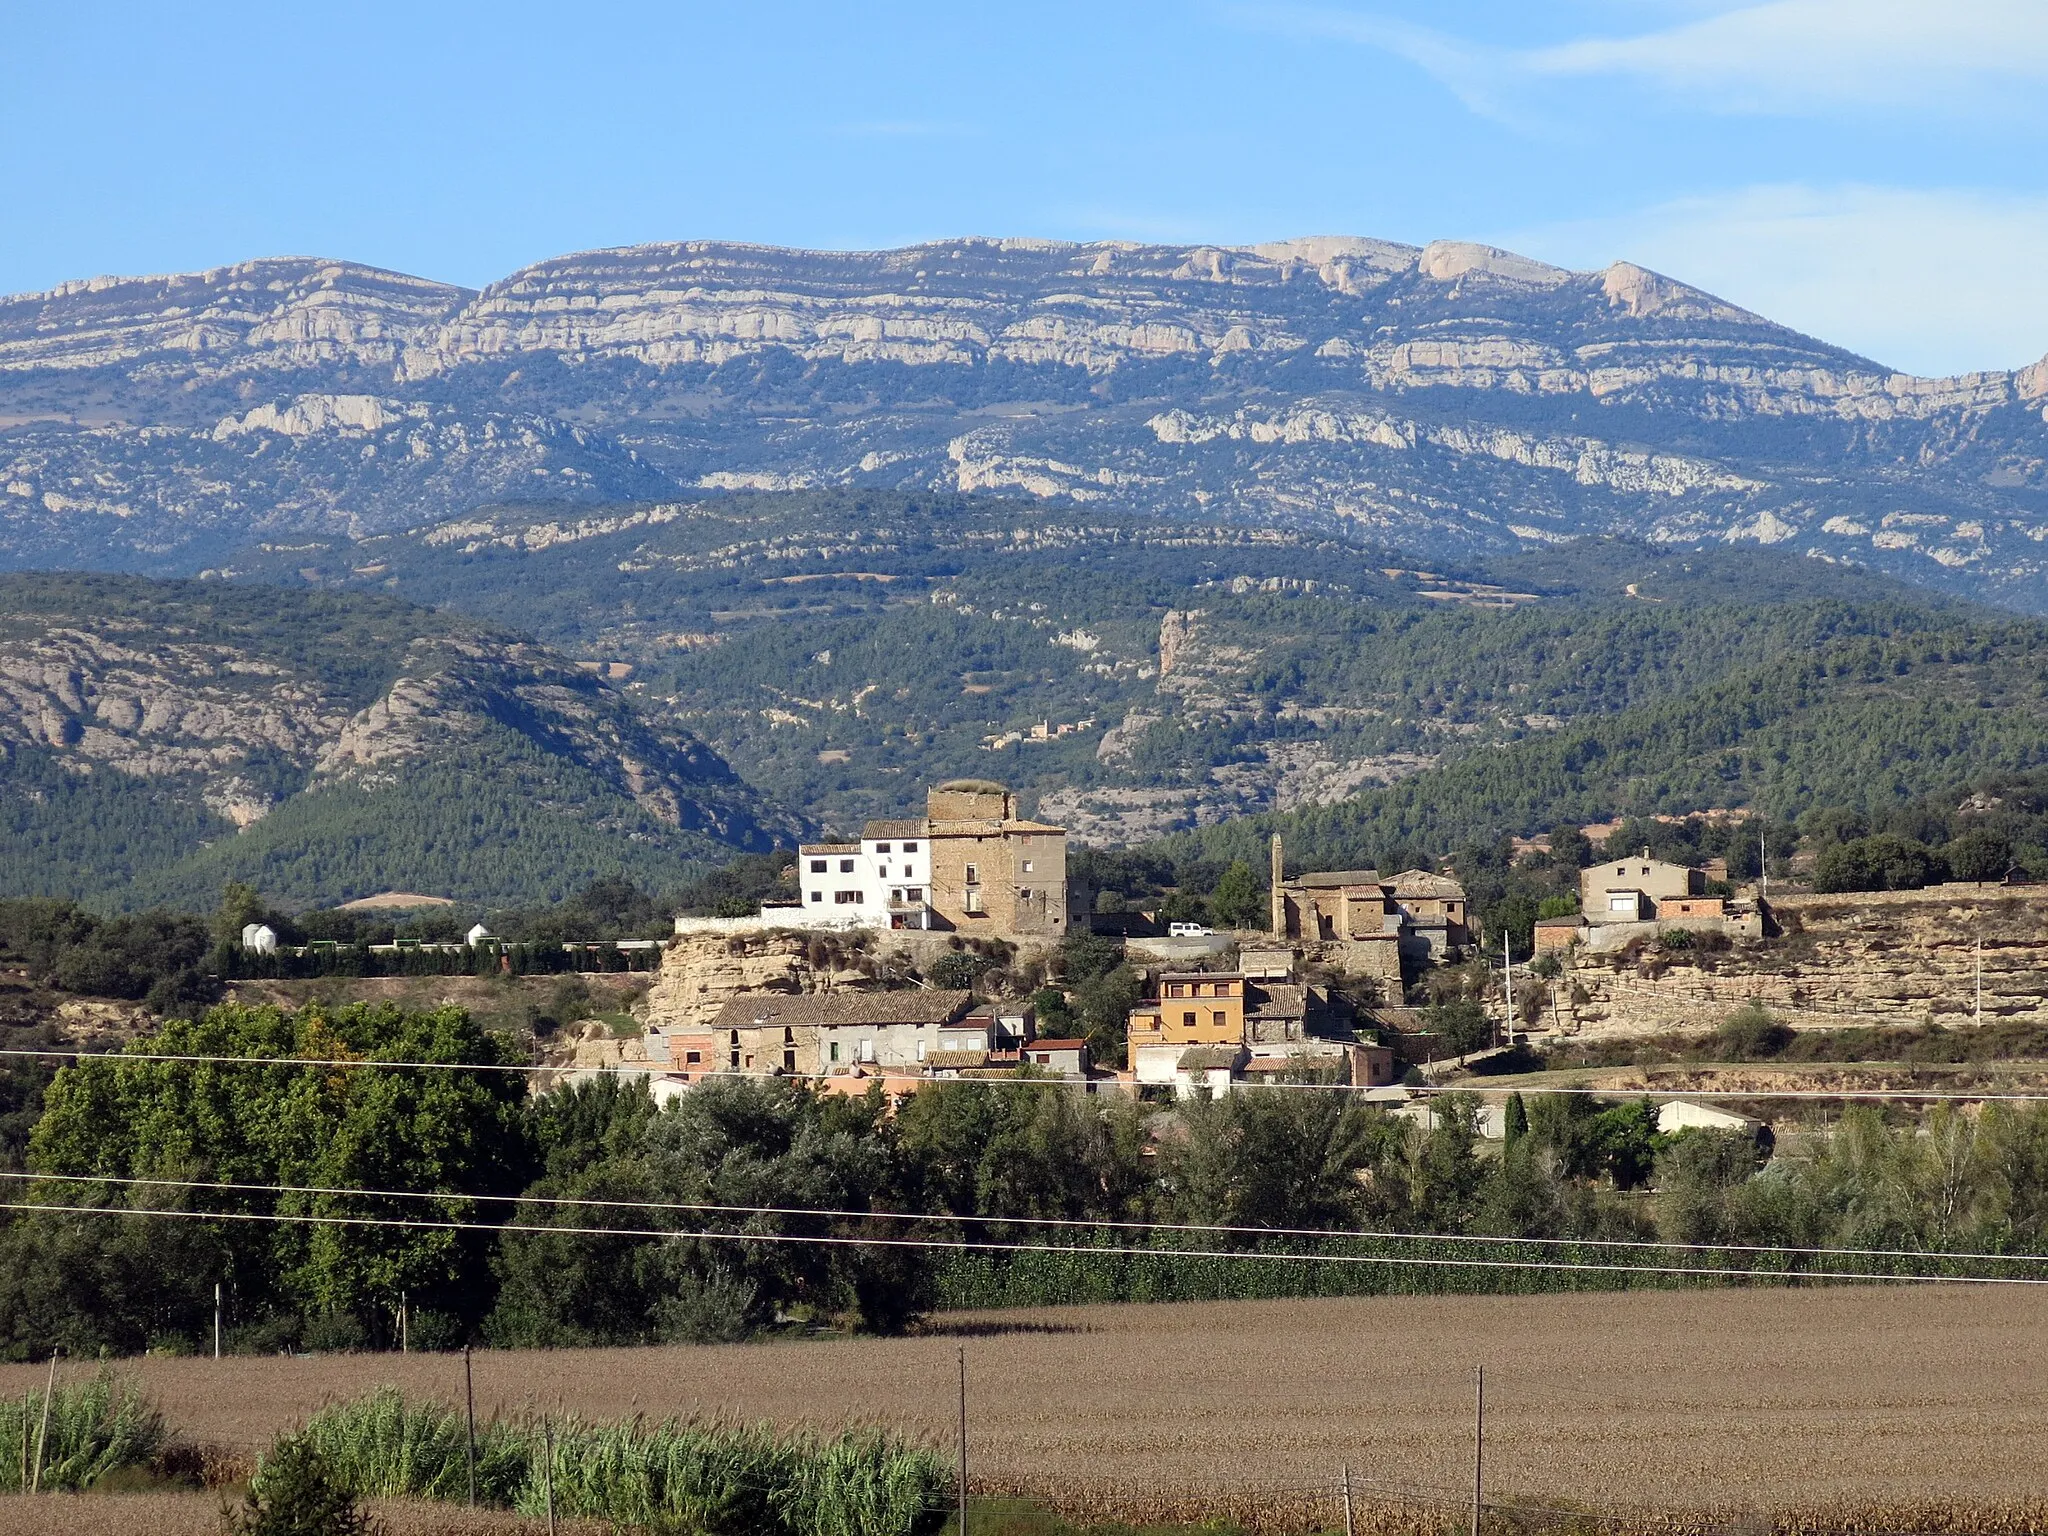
x=634 y=1069
x=1061 y=1222
x=963 y=1246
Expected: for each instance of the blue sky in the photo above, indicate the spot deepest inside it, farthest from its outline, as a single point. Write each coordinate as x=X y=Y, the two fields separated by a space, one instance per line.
x=1868 y=170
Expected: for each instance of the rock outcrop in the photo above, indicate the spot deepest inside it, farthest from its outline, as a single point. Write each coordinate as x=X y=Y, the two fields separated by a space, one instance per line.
x=1457 y=397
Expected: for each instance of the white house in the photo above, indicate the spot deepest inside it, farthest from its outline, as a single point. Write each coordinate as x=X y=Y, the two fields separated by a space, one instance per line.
x=259 y=938
x=1683 y=1115
x=882 y=881
x=478 y=935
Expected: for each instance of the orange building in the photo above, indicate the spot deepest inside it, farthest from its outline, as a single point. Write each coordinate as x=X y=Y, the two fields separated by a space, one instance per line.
x=1193 y=1008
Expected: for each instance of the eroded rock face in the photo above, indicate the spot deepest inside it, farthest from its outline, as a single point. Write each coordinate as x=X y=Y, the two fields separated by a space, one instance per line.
x=701 y=972
x=1894 y=959
x=248 y=726
x=1456 y=398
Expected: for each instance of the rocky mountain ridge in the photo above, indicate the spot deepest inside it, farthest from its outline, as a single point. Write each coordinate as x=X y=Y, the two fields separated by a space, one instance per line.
x=236 y=712
x=1452 y=398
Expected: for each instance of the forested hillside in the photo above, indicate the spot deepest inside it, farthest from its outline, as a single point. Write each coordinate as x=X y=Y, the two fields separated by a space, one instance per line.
x=844 y=650
x=161 y=739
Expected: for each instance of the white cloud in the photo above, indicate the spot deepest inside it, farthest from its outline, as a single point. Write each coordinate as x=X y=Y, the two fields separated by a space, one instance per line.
x=1796 y=57
x=1935 y=281
x=1791 y=55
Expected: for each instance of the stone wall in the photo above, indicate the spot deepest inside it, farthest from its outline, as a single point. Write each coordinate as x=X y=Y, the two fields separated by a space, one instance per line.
x=1872 y=958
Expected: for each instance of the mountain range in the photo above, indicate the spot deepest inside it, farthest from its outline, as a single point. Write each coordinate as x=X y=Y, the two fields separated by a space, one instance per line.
x=158 y=739
x=1451 y=401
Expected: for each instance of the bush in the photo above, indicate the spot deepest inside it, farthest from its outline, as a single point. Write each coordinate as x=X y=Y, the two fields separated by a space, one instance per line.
x=297 y=1493
x=1751 y=1033
x=95 y=1428
x=1882 y=862
x=677 y=1475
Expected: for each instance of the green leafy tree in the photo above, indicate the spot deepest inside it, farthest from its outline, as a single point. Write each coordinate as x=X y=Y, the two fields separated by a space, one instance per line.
x=1515 y=1119
x=341 y=1128
x=1239 y=900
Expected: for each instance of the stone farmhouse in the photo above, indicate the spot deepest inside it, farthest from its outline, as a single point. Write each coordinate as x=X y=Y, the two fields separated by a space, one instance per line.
x=969 y=865
x=1369 y=923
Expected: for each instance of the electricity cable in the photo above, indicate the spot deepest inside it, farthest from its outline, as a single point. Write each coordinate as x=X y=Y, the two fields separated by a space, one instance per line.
x=711 y=1208
x=962 y=1246
x=635 y=1069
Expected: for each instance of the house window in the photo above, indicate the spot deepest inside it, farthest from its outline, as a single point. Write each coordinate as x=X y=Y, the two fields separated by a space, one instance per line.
x=867 y=1050
x=1188 y=1017
x=897 y=897
x=835 y=1050
x=846 y=866
x=881 y=847
x=817 y=866
x=1621 y=903
x=1175 y=989
x=817 y=895
x=914 y=892
x=1027 y=866
x=973 y=902
x=1218 y=1017
x=846 y=898
x=1023 y=895
x=910 y=847
x=692 y=1058
x=974 y=874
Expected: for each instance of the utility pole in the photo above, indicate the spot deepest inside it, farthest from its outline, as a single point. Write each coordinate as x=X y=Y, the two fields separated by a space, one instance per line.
x=469 y=1398
x=1350 y=1529
x=547 y=1469
x=1980 y=981
x=1763 y=871
x=1478 y=1442
x=963 y=1440
x=35 y=1481
x=1507 y=981
x=216 y=1319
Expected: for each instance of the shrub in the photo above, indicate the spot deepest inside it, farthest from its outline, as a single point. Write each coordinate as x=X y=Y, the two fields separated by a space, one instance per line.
x=95 y=1428
x=710 y=1478
x=1882 y=862
x=297 y=1493
x=1752 y=1033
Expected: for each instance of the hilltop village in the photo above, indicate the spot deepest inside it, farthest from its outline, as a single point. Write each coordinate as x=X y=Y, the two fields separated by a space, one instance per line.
x=960 y=944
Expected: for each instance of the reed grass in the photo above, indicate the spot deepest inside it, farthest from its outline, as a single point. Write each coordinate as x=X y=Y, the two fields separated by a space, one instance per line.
x=715 y=1478
x=96 y=1427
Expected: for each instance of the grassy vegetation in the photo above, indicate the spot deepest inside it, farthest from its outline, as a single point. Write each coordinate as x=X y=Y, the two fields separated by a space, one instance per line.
x=695 y=1476
x=95 y=1428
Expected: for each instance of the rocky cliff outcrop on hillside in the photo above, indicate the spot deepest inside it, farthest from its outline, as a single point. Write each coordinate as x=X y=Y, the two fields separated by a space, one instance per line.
x=701 y=972
x=1893 y=959
x=1454 y=397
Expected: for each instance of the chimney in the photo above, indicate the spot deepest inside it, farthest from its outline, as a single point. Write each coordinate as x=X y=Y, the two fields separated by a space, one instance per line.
x=1279 y=901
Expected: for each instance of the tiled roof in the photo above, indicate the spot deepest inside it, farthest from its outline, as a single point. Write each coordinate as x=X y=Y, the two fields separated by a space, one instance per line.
x=954 y=1061
x=1330 y=879
x=835 y=1008
x=1276 y=1000
x=829 y=848
x=1055 y=1045
x=916 y=828
x=1031 y=826
x=1203 y=1058
x=1421 y=883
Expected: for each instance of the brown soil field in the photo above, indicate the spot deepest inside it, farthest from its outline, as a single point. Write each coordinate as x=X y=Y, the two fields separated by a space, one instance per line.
x=1724 y=1399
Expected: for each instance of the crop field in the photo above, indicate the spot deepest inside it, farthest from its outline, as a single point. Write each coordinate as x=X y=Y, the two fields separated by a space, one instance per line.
x=1905 y=1399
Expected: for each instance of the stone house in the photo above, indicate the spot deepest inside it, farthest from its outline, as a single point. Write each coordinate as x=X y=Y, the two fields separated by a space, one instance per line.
x=820 y=1033
x=971 y=864
x=1627 y=890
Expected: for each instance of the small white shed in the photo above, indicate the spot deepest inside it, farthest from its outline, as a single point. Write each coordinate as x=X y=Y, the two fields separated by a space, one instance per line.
x=259 y=938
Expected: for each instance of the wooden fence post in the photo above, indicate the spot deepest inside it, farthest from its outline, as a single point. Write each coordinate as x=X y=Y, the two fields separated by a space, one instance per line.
x=43 y=1430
